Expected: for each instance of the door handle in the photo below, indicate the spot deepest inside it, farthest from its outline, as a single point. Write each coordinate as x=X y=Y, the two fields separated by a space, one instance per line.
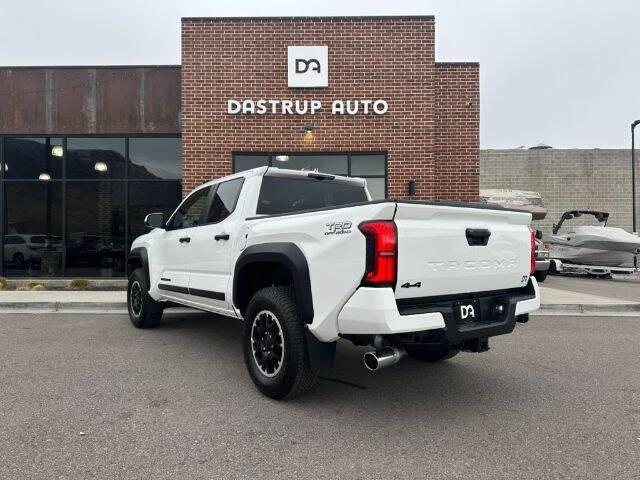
x=185 y=239
x=477 y=236
x=222 y=236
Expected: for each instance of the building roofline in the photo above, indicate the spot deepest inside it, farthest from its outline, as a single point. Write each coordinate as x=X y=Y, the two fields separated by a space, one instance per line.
x=457 y=64
x=314 y=18
x=47 y=67
x=553 y=149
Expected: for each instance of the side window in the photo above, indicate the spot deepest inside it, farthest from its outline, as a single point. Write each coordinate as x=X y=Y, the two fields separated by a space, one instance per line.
x=225 y=199
x=188 y=214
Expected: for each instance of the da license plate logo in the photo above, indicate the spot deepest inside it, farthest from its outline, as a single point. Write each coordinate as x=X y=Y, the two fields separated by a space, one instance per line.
x=468 y=311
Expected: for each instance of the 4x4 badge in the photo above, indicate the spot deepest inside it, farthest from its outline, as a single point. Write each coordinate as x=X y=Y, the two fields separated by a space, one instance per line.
x=409 y=285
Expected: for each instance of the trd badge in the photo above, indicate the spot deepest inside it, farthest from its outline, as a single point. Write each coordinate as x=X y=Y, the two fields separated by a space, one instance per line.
x=338 y=228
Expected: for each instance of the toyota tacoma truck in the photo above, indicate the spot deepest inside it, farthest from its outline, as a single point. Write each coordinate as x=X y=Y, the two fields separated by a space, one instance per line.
x=306 y=258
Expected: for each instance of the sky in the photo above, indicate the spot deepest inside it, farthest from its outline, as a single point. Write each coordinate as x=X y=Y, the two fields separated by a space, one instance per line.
x=561 y=72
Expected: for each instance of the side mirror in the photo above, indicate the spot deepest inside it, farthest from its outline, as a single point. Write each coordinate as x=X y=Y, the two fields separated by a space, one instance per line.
x=154 y=220
x=539 y=234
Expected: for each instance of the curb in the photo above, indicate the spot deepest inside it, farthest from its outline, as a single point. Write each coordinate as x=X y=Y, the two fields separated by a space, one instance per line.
x=589 y=309
x=63 y=307
x=619 y=309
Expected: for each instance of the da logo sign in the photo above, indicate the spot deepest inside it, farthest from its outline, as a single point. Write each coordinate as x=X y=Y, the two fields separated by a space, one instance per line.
x=308 y=66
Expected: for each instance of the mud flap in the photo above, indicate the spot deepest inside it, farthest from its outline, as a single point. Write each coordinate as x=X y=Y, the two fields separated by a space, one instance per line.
x=322 y=355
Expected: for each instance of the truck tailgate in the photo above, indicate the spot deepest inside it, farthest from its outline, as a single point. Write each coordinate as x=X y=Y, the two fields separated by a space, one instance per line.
x=448 y=250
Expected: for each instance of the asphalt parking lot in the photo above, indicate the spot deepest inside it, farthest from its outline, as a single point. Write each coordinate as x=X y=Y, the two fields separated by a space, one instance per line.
x=92 y=397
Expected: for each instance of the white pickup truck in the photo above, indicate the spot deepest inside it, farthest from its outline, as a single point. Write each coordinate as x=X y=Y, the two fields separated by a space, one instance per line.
x=307 y=258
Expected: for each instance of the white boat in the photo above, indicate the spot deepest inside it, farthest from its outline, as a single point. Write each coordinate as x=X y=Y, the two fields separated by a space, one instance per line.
x=522 y=200
x=593 y=244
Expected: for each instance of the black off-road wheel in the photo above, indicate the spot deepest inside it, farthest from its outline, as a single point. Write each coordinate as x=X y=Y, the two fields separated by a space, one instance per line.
x=431 y=354
x=144 y=311
x=274 y=344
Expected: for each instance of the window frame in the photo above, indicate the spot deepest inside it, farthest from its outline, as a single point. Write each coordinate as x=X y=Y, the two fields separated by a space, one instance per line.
x=205 y=209
x=212 y=194
x=64 y=179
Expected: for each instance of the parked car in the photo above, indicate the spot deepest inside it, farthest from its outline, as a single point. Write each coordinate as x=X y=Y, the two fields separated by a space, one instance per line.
x=306 y=258
x=543 y=263
x=26 y=250
x=96 y=251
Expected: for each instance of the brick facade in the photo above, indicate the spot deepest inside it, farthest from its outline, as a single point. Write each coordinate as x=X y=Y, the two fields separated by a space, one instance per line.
x=430 y=131
x=457 y=149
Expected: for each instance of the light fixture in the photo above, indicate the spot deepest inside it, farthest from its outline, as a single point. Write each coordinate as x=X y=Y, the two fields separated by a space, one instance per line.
x=308 y=129
x=6 y=167
x=57 y=151
x=100 y=167
x=44 y=176
x=282 y=158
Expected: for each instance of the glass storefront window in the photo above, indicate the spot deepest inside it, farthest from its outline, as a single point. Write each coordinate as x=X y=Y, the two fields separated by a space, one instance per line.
x=367 y=165
x=95 y=229
x=32 y=229
x=33 y=158
x=336 y=164
x=150 y=197
x=247 y=162
x=66 y=202
x=155 y=158
x=95 y=158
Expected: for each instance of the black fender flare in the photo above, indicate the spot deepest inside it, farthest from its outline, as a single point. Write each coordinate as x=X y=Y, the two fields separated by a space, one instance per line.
x=140 y=254
x=289 y=255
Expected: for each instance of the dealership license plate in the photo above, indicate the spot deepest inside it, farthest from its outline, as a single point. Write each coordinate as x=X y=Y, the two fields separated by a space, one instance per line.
x=467 y=311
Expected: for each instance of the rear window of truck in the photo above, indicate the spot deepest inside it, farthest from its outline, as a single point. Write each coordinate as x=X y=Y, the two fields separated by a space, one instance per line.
x=286 y=195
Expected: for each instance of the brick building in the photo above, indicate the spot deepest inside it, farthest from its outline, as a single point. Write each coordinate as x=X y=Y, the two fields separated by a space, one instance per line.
x=429 y=133
x=86 y=152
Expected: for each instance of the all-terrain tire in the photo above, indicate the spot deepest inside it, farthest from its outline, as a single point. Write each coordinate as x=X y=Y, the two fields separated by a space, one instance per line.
x=431 y=354
x=272 y=330
x=144 y=311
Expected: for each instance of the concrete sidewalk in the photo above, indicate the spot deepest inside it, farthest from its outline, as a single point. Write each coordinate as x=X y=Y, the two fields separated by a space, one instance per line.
x=554 y=302
x=564 y=302
x=62 y=301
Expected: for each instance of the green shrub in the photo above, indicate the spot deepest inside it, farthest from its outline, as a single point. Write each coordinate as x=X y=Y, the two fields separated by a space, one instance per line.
x=79 y=284
x=3 y=283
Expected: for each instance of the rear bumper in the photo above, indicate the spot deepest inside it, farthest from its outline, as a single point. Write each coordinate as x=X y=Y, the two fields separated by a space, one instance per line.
x=374 y=311
x=542 y=265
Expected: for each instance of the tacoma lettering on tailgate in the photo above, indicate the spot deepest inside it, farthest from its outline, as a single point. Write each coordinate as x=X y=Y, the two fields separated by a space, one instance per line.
x=455 y=265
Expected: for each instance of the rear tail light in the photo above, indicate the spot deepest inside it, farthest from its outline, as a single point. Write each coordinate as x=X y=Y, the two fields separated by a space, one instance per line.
x=382 y=253
x=533 y=252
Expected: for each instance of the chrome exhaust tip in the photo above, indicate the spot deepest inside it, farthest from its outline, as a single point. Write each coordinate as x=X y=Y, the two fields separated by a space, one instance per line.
x=382 y=358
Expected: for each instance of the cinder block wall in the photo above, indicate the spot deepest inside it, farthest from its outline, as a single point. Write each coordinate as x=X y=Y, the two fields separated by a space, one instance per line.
x=392 y=58
x=567 y=179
